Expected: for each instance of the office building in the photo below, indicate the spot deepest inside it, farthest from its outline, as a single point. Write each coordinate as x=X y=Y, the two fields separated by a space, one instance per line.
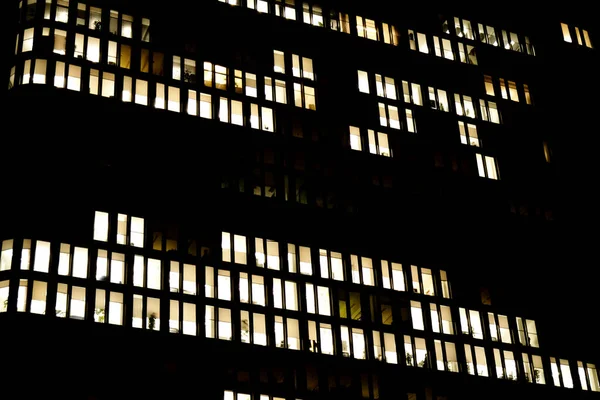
x=279 y=199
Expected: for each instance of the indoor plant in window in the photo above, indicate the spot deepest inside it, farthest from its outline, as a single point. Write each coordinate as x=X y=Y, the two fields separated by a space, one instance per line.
x=152 y=321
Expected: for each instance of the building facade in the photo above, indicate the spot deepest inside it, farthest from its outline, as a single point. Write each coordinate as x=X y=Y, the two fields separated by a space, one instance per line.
x=252 y=199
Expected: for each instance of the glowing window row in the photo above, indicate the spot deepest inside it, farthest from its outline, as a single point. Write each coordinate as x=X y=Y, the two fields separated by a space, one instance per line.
x=137 y=90
x=90 y=17
x=377 y=142
x=411 y=92
x=443 y=48
x=109 y=307
x=312 y=14
x=331 y=264
x=506 y=88
x=567 y=35
x=463 y=28
x=127 y=230
x=487 y=166
x=217 y=76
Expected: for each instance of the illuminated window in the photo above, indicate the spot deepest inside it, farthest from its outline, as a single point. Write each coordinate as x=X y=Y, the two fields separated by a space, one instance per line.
x=275 y=92
x=26 y=254
x=378 y=143
x=464 y=106
x=304 y=96
x=114 y=22
x=108 y=86
x=285 y=8
x=61 y=300
x=422 y=42
x=445 y=356
x=127 y=96
x=223 y=109
x=564 y=372
x=366 y=28
x=173 y=102
x=47 y=9
x=582 y=375
x=489 y=85
x=253 y=330
x=586 y=38
x=385 y=349
x=145 y=30
x=489 y=111
x=141 y=97
x=94 y=81
x=77 y=303
x=322 y=304
x=488 y=168
x=420 y=353
x=304 y=69
x=42 y=256
x=506 y=367
x=362 y=273
x=250 y=85
x=499 y=329
x=95 y=21
x=125 y=56
x=261 y=5
x=390 y=34
x=417 y=315
x=39 y=74
x=224 y=328
x=395 y=280
x=176 y=68
x=470 y=323
x=411 y=124
x=593 y=377
x=312 y=14
x=159 y=101
x=287 y=334
x=6 y=255
x=527 y=94
x=512 y=90
x=331 y=265
x=422 y=281
x=205 y=106
x=388 y=116
x=126 y=26
x=62 y=11
x=438 y=99
x=445 y=285
x=386 y=87
x=305 y=260
x=151 y=307
x=11 y=82
x=339 y=21
x=527 y=332
x=441 y=319
x=28 y=40
x=468 y=134
x=279 y=63
x=22 y=296
x=355 y=141
x=476 y=360
x=4 y=290
x=224 y=285
x=533 y=369
x=320 y=338
x=117 y=268
x=38 y=297
x=412 y=39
